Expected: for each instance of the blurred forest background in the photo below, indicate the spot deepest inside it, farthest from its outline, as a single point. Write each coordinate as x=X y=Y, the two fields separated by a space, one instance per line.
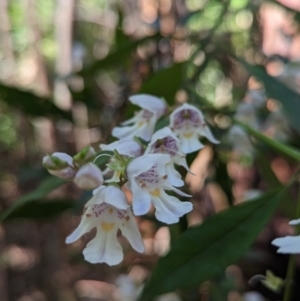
x=67 y=68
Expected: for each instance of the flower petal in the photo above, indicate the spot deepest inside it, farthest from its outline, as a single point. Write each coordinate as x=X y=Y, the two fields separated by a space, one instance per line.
x=149 y=102
x=169 y=208
x=89 y=176
x=288 y=244
x=146 y=162
x=110 y=195
x=169 y=187
x=145 y=132
x=190 y=144
x=64 y=157
x=141 y=199
x=86 y=225
x=127 y=147
x=174 y=177
x=163 y=133
x=124 y=132
x=104 y=247
x=294 y=222
x=206 y=132
x=130 y=230
x=115 y=197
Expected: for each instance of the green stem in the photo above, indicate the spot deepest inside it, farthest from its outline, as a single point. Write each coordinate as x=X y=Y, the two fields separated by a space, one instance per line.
x=289 y=279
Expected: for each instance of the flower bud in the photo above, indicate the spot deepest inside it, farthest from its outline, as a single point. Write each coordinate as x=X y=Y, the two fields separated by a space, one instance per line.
x=60 y=165
x=84 y=156
x=89 y=176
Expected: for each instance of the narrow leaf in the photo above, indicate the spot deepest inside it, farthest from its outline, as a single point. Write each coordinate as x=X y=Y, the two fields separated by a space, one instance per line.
x=40 y=209
x=30 y=103
x=45 y=187
x=276 y=145
x=289 y=99
x=204 y=251
x=165 y=83
x=116 y=57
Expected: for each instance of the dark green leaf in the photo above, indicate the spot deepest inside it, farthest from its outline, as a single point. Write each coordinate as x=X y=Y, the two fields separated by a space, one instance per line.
x=30 y=103
x=222 y=177
x=204 y=251
x=290 y=100
x=276 y=145
x=116 y=57
x=165 y=83
x=42 y=190
x=40 y=209
x=272 y=181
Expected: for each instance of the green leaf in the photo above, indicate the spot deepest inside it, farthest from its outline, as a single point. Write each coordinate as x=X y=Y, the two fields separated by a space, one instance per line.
x=276 y=145
x=222 y=177
x=272 y=181
x=204 y=251
x=41 y=209
x=42 y=190
x=165 y=83
x=30 y=103
x=289 y=99
x=116 y=57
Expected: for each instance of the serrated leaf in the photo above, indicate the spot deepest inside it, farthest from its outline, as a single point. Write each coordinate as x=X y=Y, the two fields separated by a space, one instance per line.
x=41 y=191
x=282 y=148
x=204 y=251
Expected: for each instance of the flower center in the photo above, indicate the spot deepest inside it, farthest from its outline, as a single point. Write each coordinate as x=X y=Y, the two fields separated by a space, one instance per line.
x=107 y=226
x=188 y=135
x=166 y=145
x=150 y=176
x=187 y=117
x=147 y=114
x=155 y=192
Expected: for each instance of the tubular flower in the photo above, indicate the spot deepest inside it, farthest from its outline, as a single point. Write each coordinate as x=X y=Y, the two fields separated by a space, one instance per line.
x=143 y=123
x=108 y=211
x=187 y=122
x=164 y=141
x=89 y=176
x=60 y=165
x=148 y=181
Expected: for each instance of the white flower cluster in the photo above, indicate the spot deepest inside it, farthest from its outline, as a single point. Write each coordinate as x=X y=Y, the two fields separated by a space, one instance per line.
x=147 y=171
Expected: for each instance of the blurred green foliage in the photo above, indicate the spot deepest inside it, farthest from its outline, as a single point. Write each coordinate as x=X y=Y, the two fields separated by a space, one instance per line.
x=208 y=58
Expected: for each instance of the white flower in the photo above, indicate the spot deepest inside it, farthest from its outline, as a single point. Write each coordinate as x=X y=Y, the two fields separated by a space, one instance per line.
x=148 y=181
x=108 y=211
x=143 y=122
x=89 y=176
x=60 y=165
x=294 y=222
x=187 y=122
x=126 y=147
x=287 y=244
x=164 y=141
